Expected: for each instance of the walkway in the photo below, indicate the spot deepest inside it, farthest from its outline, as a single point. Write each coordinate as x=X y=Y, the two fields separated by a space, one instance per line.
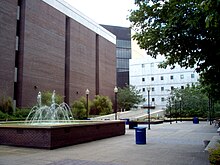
x=167 y=144
x=132 y=114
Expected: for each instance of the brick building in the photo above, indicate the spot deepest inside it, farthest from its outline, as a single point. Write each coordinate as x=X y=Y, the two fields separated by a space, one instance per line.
x=47 y=45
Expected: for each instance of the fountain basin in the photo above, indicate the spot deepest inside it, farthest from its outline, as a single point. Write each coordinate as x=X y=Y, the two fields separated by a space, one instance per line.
x=56 y=135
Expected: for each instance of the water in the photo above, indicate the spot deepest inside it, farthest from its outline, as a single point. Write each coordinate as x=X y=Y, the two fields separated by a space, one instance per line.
x=53 y=114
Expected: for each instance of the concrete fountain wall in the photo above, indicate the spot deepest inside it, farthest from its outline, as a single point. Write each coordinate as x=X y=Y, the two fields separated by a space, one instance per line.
x=56 y=136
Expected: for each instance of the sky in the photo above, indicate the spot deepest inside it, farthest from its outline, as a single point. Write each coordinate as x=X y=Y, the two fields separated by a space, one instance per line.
x=108 y=12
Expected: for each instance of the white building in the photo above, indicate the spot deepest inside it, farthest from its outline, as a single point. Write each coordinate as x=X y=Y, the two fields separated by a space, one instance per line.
x=144 y=73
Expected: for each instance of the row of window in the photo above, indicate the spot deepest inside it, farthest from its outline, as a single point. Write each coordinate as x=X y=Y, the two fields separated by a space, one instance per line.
x=153 y=99
x=161 y=89
x=171 y=77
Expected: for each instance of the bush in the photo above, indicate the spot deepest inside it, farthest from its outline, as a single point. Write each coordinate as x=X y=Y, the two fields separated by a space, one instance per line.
x=214 y=156
x=21 y=113
x=46 y=98
x=102 y=105
x=3 y=116
x=6 y=105
x=78 y=110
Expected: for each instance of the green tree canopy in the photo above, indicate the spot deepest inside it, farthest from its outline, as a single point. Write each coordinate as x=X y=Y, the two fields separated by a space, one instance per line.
x=185 y=32
x=128 y=97
x=193 y=101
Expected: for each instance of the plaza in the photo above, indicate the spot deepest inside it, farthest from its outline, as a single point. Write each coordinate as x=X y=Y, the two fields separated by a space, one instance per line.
x=179 y=143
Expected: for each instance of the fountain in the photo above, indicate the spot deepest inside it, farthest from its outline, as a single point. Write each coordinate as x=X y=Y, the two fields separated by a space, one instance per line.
x=51 y=127
x=52 y=114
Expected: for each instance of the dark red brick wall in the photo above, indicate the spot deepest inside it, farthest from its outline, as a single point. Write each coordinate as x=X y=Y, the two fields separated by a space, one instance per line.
x=59 y=136
x=44 y=51
x=8 y=12
x=55 y=52
x=82 y=60
x=107 y=67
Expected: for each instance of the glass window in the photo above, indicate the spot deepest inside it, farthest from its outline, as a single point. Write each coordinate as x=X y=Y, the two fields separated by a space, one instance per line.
x=181 y=76
x=153 y=99
x=143 y=79
x=162 y=99
x=162 y=88
x=192 y=75
x=123 y=43
x=182 y=87
x=142 y=65
x=143 y=89
x=161 y=78
x=152 y=78
x=171 y=77
x=172 y=87
x=153 y=89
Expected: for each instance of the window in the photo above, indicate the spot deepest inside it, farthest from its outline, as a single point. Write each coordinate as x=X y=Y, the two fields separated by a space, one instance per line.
x=192 y=75
x=182 y=87
x=143 y=89
x=152 y=64
x=153 y=99
x=143 y=79
x=152 y=78
x=162 y=88
x=161 y=78
x=172 y=87
x=171 y=77
x=162 y=99
x=153 y=89
x=142 y=65
x=181 y=76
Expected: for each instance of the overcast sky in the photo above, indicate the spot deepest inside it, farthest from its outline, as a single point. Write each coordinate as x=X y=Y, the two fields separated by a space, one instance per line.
x=108 y=12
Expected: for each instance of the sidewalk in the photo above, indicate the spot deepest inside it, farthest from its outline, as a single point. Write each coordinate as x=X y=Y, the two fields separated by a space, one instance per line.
x=167 y=144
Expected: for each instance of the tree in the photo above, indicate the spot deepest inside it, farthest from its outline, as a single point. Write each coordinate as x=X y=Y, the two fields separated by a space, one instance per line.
x=193 y=101
x=128 y=96
x=185 y=32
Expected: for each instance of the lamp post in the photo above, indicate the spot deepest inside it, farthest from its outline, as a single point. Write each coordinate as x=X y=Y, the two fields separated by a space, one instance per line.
x=87 y=103
x=175 y=98
x=148 y=98
x=210 y=110
x=116 y=92
x=180 y=99
x=170 y=110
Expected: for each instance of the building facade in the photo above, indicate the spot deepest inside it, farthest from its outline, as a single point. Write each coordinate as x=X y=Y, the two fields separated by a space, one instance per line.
x=123 y=52
x=145 y=75
x=47 y=45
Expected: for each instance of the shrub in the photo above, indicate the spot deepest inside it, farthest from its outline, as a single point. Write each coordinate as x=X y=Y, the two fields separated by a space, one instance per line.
x=102 y=105
x=3 y=116
x=46 y=98
x=214 y=156
x=6 y=105
x=21 y=113
x=78 y=110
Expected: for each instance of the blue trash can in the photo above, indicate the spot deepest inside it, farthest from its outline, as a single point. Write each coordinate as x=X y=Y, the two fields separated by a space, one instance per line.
x=195 y=120
x=140 y=135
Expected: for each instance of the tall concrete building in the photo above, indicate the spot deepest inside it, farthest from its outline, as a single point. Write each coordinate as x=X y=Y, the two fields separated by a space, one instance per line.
x=48 y=45
x=123 y=52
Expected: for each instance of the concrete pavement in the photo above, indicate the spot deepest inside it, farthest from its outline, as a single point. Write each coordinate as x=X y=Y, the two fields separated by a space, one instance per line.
x=167 y=144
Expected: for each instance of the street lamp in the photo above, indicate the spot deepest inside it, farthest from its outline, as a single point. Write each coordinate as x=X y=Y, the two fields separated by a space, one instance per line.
x=116 y=92
x=148 y=97
x=175 y=98
x=180 y=99
x=87 y=103
x=170 y=110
